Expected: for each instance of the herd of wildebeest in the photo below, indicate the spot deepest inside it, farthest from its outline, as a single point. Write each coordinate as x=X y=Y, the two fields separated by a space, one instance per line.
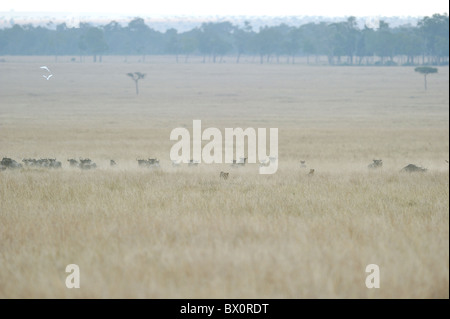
x=87 y=164
x=82 y=163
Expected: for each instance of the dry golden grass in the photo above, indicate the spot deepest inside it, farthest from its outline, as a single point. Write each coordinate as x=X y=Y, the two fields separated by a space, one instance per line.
x=184 y=232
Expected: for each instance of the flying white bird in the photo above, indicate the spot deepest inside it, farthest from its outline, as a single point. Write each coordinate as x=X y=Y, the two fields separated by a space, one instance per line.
x=47 y=77
x=45 y=68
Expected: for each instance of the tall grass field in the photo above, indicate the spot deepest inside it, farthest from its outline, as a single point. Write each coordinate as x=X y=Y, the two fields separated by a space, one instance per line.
x=183 y=232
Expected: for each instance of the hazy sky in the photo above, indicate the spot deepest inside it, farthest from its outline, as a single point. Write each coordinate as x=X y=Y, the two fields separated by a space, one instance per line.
x=235 y=7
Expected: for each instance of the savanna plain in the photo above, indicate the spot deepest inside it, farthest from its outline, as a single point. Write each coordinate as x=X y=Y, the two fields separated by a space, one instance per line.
x=182 y=232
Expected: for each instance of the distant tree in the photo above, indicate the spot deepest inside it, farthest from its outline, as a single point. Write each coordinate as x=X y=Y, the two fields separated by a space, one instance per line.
x=215 y=39
x=350 y=38
x=172 y=45
x=385 y=42
x=363 y=49
x=269 y=41
x=136 y=76
x=435 y=31
x=118 y=39
x=328 y=37
x=94 y=42
x=342 y=42
x=189 y=42
x=425 y=70
x=243 y=39
x=309 y=45
x=15 y=37
x=138 y=32
x=287 y=41
x=57 y=40
x=409 y=43
x=293 y=42
x=82 y=46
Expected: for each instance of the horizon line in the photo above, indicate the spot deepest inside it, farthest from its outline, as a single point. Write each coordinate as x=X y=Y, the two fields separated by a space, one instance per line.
x=11 y=12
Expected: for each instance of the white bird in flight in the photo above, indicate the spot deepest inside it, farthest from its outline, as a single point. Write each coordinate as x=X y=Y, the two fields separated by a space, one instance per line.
x=47 y=77
x=45 y=68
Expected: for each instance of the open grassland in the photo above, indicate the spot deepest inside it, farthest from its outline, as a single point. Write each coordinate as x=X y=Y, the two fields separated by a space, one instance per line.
x=181 y=232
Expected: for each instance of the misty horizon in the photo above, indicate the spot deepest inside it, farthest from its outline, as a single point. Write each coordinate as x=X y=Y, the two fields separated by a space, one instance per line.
x=322 y=8
x=184 y=22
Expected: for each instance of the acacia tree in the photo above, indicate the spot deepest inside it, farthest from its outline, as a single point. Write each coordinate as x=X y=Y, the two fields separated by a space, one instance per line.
x=425 y=70
x=136 y=76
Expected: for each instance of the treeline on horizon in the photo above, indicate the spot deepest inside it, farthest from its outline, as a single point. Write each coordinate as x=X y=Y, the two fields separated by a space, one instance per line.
x=343 y=43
